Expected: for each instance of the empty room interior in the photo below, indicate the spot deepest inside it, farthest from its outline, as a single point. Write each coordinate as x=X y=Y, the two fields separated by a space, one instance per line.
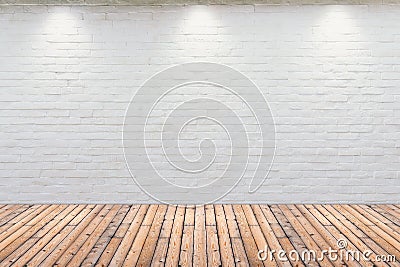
x=199 y=133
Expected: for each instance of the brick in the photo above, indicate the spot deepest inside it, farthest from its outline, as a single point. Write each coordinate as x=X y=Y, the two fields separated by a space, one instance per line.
x=330 y=74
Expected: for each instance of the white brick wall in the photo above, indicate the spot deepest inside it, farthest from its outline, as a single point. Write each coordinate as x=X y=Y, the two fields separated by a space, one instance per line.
x=330 y=73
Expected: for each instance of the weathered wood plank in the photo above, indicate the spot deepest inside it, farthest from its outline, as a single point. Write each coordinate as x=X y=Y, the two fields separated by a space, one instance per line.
x=12 y=213
x=388 y=227
x=387 y=244
x=115 y=241
x=101 y=244
x=137 y=245
x=149 y=246
x=213 y=250
x=238 y=248
x=186 y=254
x=350 y=232
x=161 y=248
x=247 y=238
x=292 y=235
x=331 y=238
x=60 y=249
x=174 y=247
x=225 y=244
x=11 y=243
x=272 y=239
x=8 y=229
x=200 y=247
x=307 y=233
x=77 y=252
x=44 y=236
x=210 y=235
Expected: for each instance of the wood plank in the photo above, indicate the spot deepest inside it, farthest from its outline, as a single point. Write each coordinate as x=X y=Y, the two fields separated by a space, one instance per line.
x=115 y=241
x=57 y=238
x=384 y=243
x=213 y=253
x=210 y=215
x=11 y=258
x=11 y=243
x=318 y=215
x=224 y=239
x=12 y=213
x=43 y=236
x=320 y=243
x=334 y=231
x=8 y=229
x=137 y=245
x=168 y=222
x=4 y=207
x=84 y=243
x=78 y=219
x=19 y=219
x=314 y=240
x=58 y=251
x=101 y=244
x=372 y=221
x=349 y=231
x=272 y=240
x=186 y=253
x=238 y=248
x=388 y=212
x=172 y=258
x=231 y=221
x=200 y=248
x=210 y=235
x=379 y=216
x=330 y=237
x=123 y=248
x=308 y=234
x=257 y=234
x=248 y=238
x=391 y=209
x=161 y=248
x=67 y=213
x=275 y=226
x=146 y=255
x=291 y=234
x=269 y=216
x=8 y=210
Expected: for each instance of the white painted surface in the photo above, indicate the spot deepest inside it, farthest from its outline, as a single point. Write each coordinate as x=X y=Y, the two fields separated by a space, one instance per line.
x=331 y=75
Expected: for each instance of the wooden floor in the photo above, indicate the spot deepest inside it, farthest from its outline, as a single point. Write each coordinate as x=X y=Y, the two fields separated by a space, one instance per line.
x=212 y=235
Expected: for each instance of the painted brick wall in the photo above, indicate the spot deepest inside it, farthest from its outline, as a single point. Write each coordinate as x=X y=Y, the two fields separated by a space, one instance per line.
x=331 y=75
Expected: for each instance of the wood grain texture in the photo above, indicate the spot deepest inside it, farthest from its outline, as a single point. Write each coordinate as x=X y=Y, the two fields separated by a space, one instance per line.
x=210 y=235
